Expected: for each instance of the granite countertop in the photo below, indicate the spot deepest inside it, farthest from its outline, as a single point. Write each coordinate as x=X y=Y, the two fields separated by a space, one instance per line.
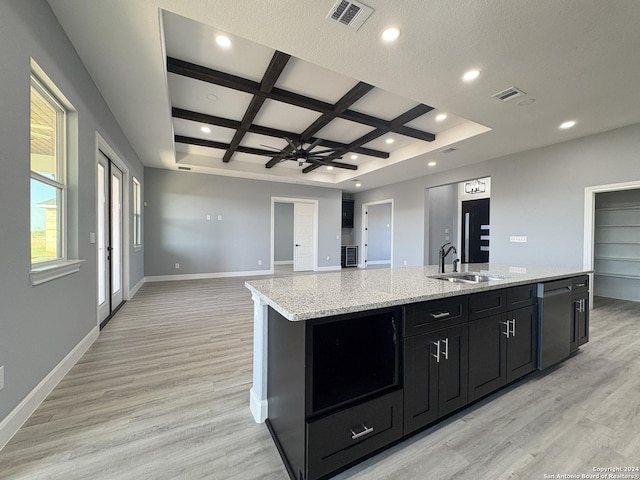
x=302 y=297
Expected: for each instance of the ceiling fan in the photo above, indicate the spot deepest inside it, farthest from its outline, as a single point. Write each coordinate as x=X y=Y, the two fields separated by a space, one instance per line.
x=297 y=152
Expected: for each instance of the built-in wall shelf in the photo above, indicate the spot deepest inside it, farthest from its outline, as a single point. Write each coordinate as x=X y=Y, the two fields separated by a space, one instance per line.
x=617 y=244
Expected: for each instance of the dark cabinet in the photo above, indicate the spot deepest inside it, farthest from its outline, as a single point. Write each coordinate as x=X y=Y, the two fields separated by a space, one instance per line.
x=580 y=315
x=435 y=375
x=347 y=213
x=503 y=347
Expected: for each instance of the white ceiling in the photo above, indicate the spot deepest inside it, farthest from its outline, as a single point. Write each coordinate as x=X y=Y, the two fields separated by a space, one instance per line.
x=577 y=58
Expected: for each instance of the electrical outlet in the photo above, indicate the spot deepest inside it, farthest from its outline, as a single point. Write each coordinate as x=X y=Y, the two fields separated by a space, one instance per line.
x=328 y=257
x=1 y=377
x=518 y=239
x=208 y=217
x=405 y=262
x=219 y=218
x=259 y=262
x=177 y=266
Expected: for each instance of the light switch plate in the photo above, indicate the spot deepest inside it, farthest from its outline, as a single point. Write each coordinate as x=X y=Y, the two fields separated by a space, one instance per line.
x=92 y=237
x=1 y=377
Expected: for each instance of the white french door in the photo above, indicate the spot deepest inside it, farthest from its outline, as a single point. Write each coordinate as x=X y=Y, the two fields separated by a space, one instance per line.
x=109 y=238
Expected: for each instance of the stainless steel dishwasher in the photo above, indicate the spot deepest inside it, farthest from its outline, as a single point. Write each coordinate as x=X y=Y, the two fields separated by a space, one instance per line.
x=554 y=322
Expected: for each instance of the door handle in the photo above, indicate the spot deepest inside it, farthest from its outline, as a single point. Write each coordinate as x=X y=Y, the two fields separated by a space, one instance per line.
x=446 y=350
x=298 y=245
x=508 y=331
x=437 y=354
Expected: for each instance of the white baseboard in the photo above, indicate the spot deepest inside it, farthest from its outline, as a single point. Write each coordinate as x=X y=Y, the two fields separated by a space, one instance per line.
x=200 y=276
x=379 y=262
x=330 y=268
x=283 y=262
x=19 y=415
x=135 y=289
x=258 y=407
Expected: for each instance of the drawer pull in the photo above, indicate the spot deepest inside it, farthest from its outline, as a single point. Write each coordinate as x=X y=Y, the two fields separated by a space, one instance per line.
x=440 y=315
x=366 y=431
x=580 y=285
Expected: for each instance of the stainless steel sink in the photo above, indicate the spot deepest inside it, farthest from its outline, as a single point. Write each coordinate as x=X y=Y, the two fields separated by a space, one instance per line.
x=469 y=277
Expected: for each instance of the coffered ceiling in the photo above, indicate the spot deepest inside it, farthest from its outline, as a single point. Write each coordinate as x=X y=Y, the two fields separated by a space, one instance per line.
x=295 y=93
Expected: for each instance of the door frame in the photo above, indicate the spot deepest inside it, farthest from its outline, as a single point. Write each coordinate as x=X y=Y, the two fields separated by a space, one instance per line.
x=101 y=144
x=589 y=223
x=272 y=245
x=363 y=234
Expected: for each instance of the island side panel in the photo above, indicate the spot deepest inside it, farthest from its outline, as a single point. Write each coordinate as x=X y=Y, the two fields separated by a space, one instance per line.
x=258 y=394
x=286 y=368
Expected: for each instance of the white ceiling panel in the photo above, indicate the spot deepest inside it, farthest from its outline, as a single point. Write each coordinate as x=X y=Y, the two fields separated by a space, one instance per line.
x=255 y=140
x=383 y=104
x=198 y=150
x=399 y=141
x=193 y=129
x=283 y=116
x=195 y=42
x=313 y=81
x=428 y=122
x=191 y=94
x=345 y=131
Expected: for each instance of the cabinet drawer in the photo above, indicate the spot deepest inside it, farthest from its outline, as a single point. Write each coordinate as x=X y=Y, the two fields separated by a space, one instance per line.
x=487 y=303
x=580 y=284
x=343 y=437
x=521 y=296
x=427 y=317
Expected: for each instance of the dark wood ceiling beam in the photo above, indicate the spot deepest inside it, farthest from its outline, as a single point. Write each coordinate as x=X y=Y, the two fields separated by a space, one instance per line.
x=267 y=131
x=316 y=165
x=198 y=72
x=274 y=70
x=220 y=145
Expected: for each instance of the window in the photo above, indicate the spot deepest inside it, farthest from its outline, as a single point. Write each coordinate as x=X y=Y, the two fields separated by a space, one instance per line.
x=137 y=214
x=48 y=182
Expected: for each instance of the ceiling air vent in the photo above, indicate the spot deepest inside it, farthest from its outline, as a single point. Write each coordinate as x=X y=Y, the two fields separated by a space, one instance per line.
x=351 y=14
x=185 y=168
x=448 y=150
x=508 y=94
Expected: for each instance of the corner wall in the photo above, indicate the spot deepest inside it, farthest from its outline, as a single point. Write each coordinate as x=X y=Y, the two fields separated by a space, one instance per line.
x=41 y=326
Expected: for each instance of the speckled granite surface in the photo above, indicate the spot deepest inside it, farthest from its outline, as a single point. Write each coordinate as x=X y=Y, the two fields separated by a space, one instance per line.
x=346 y=291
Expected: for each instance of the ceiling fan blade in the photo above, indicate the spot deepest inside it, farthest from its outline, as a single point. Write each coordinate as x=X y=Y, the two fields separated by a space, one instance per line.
x=315 y=143
x=290 y=142
x=272 y=148
x=331 y=150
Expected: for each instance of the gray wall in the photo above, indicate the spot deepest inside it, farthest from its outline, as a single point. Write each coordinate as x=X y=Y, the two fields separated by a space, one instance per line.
x=176 y=229
x=539 y=193
x=40 y=325
x=379 y=233
x=283 y=232
x=442 y=215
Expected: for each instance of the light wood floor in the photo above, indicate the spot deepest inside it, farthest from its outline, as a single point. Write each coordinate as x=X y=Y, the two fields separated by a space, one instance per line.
x=164 y=392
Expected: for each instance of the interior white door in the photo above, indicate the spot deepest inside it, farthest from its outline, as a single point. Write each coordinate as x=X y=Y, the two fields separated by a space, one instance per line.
x=303 y=227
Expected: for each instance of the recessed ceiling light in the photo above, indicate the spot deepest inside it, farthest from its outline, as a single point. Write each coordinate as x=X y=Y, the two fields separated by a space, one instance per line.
x=389 y=141
x=353 y=157
x=568 y=124
x=390 y=34
x=441 y=117
x=329 y=167
x=358 y=185
x=205 y=129
x=212 y=97
x=223 y=41
x=470 y=75
x=432 y=164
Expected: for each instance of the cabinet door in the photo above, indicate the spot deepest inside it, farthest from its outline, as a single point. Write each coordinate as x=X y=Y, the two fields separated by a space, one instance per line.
x=420 y=382
x=487 y=355
x=522 y=342
x=582 y=319
x=453 y=369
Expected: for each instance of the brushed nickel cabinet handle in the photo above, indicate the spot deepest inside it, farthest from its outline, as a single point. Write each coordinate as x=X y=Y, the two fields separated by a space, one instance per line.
x=513 y=327
x=440 y=315
x=506 y=324
x=366 y=431
x=446 y=350
x=437 y=354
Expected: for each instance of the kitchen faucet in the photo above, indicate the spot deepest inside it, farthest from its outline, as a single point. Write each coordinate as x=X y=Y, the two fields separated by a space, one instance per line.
x=442 y=256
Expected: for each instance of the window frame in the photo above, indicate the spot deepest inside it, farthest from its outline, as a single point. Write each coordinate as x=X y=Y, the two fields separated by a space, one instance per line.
x=137 y=213
x=61 y=160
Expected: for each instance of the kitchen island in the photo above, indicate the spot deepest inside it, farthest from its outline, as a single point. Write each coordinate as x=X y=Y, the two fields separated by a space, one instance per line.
x=374 y=355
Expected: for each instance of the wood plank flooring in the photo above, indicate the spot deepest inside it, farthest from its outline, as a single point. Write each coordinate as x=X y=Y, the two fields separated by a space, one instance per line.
x=163 y=394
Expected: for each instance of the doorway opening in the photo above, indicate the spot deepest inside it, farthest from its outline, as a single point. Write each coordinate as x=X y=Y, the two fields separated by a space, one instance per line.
x=611 y=241
x=294 y=234
x=377 y=234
